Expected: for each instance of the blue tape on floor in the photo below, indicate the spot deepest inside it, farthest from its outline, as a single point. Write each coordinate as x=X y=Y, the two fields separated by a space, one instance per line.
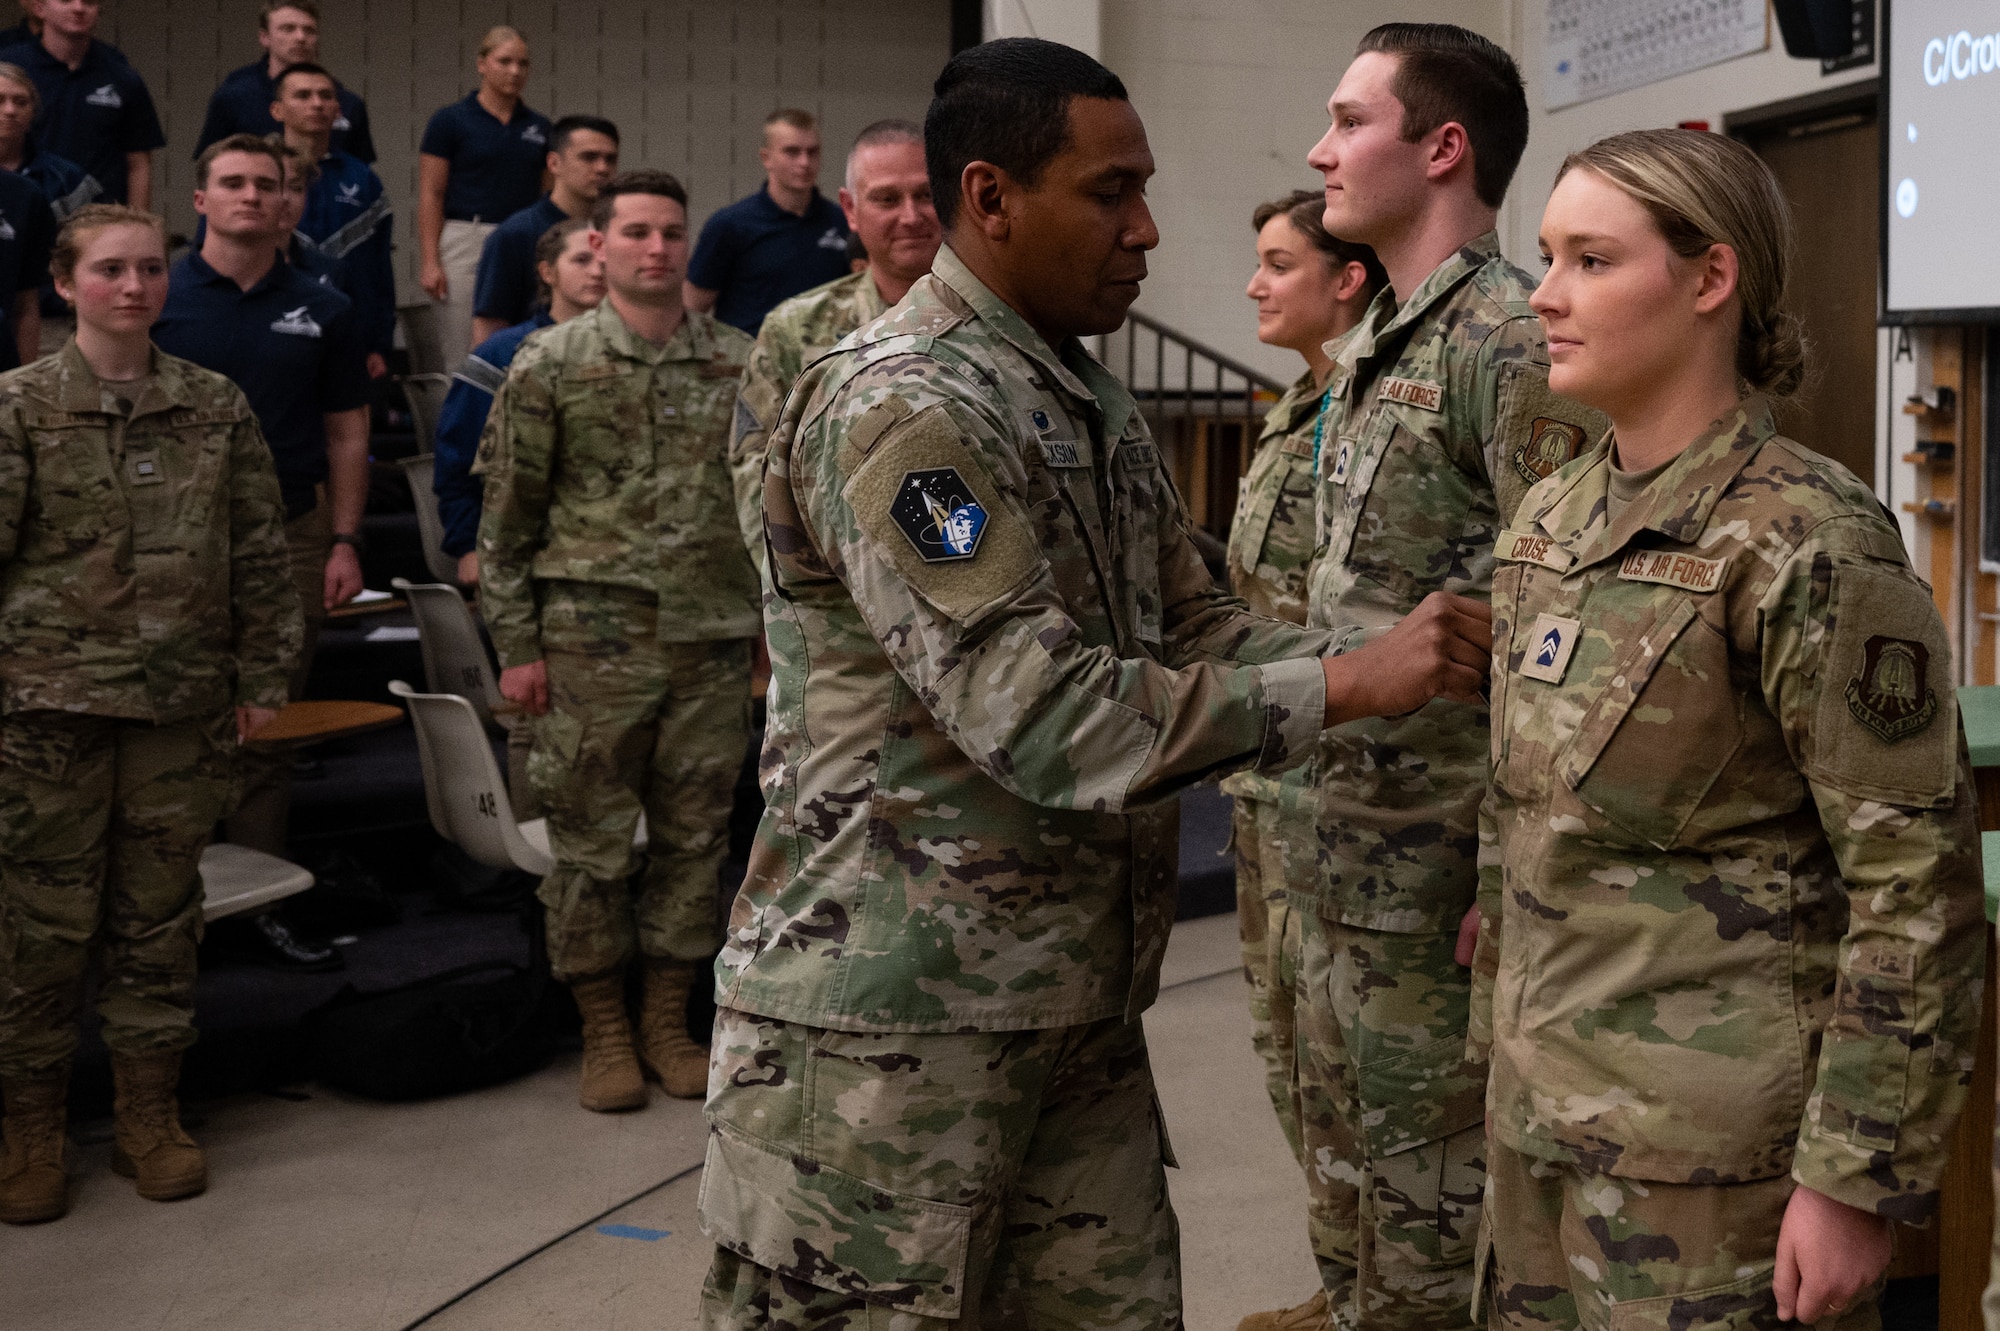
x=633 y=1232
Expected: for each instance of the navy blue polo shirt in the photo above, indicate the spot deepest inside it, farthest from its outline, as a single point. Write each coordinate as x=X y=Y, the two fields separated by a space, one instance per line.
x=93 y=114
x=496 y=169
x=27 y=235
x=242 y=105
x=292 y=346
x=67 y=188
x=507 y=279
x=754 y=254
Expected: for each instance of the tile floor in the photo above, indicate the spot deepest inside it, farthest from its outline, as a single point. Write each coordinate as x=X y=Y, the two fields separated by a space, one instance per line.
x=512 y=1208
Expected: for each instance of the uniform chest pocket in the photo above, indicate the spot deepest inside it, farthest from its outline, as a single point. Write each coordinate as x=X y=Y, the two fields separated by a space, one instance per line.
x=694 y=423
x=1407 y=506
x=74 y=485
x=606 y=429
x=1142 y=503
x=1665 y=724
x=187 y=474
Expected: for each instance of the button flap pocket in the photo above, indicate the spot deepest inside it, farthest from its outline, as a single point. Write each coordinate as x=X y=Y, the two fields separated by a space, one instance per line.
x=1421 y=1097
x=812 y=1223
x=1628 y=678
x=41 y=750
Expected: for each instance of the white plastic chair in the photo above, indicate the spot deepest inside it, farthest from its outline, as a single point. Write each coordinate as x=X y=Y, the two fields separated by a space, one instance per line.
x=430 y=524
x=235 y=879
x=455 y=659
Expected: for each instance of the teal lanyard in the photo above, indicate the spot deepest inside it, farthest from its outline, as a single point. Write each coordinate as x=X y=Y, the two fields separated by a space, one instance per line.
x=1319 y=427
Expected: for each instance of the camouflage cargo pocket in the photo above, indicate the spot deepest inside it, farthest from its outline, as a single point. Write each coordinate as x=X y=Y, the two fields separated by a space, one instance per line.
x=1737 y=1306
x=42 y=748
x=810 y=1222
x=1420 y=1097
x=1874 y=1016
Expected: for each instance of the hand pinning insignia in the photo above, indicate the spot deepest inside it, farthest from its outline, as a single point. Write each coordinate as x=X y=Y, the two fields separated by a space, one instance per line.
x=1891 y=695
x=937 y=510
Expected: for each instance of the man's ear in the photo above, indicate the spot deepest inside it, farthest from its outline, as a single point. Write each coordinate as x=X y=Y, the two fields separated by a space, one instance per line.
x=1353 y=278
x=984 y=195
x=1447 y=148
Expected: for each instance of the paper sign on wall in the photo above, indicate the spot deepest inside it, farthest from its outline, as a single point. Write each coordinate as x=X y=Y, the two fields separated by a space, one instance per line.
x=1598 y=47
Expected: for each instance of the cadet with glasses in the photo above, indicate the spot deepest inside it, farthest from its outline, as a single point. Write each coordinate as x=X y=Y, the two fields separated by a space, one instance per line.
x=1730 y=888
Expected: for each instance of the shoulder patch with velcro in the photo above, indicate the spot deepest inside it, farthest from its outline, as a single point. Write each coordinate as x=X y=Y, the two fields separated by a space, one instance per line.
x=923 y=498
x=1536 y=431
x=867 y=431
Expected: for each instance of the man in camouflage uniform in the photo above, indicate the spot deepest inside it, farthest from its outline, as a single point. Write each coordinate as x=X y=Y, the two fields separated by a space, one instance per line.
x=145 y=607
x=1440 y=419
x=1732 y=930
x=887 y=199
x=622 y=604
x=997 y=658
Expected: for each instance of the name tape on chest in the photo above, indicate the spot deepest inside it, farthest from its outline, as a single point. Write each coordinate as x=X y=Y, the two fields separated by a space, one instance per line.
x=937 y=510
x=1064 y=453
x=1532 y=547
x=1549 y=648
x=1688 y=572
x=1413 y=393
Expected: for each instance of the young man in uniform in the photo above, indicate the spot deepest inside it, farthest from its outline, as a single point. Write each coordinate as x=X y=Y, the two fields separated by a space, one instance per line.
x=95 y=109
x=288 y=30
x=1438 y=421
x=997 y=659
x=291 y=344
x=583 y=156
x=624 y=609
x=784 y=239
x=887 y=200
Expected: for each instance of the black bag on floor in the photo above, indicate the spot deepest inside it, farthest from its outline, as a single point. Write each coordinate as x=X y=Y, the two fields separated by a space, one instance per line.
x=461 y=1030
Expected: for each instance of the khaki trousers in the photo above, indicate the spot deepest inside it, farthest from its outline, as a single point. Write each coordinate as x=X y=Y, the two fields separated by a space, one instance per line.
x=458 y=250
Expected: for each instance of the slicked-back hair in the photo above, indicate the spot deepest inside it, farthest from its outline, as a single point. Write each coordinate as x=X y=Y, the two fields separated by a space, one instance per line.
x=1445 y=73
x=565 y=129
x=87 y=221
x=1006 y=102
x=238 y=143
x=310 y=8
x=302 y=67
x=1305 y=209
x=879 y=133
x=658 y=183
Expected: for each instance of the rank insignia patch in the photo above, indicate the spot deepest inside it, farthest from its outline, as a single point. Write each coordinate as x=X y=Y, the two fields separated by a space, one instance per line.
x=1549 y=644
x=937 y=510
x=1549 y=444
x=1892 y=694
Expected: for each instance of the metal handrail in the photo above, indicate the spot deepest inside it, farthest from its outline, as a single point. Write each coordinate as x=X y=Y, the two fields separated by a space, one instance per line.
x=1224 y=361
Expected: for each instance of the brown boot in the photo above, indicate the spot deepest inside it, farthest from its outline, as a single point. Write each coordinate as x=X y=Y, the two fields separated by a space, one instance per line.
x=611 y=1079
x=1308 y=1316
x=148 y=1143
x=33 y=1186
x=675 y=1061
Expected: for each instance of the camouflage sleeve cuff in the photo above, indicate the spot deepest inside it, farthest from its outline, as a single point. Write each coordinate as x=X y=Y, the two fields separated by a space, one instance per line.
x=265 y=689
x=514 y=651
x=1295 y=703
x=1856 y=1177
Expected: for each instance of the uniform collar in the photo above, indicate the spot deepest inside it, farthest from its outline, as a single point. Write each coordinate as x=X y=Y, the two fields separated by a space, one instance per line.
x=693 y=340
x=1677 y=505
x=79 y=390
x=1386 y=320
x=1299 y=403
x=1074 y=368
x=274 y=277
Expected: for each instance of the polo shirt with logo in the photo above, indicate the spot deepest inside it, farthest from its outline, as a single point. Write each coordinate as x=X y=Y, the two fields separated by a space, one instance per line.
x=94 y=114
x=507 y=279
x=347 y=216
x=292 y=346
x=496 y=169
x=27 y=235
x=241 y=104
x=753 y=254
x=67 y=188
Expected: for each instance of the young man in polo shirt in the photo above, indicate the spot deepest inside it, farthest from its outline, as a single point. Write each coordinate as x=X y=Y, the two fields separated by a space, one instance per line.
x=583 y=156
x=95 y=107
x=347 y=214
x=784 y=239
x=288 y=30
x=292 y=345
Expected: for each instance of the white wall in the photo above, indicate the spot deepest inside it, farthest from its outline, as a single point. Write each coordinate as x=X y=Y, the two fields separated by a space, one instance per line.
x=1077 y=23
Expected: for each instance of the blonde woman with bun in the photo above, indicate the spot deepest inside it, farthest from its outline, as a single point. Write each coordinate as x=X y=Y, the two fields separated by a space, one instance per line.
x=1730 y=889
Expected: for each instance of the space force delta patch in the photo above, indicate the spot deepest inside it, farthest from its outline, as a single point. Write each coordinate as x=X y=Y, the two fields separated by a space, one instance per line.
x=937 y=510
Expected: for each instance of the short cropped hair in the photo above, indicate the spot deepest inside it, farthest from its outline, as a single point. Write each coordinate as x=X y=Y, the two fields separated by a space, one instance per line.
x=796 y=117
x=1445 y=73
x=237 y=143
x=1305 y=209
x=658 y=183
x=566 y=128
x=15 y=74
x=305 y=67
x=310 y=8
x=879 y=133
x=87 y=221
x=1006 y=102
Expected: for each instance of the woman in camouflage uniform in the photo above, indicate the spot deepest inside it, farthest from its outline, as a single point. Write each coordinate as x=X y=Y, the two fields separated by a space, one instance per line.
x=147 y=624
x=1730 y=890
x=1310 y=289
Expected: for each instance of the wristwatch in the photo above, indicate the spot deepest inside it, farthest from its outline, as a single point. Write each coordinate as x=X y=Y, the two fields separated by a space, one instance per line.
x=352 y=538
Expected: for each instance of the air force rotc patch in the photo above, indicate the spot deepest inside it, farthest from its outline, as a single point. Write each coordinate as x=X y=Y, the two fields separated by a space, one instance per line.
x=1892 y=694
x=937 y=510
x=1549 y=444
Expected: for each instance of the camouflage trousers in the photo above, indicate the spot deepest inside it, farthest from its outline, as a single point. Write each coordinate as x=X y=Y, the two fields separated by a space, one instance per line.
x=895 y=1182
x=1571 y=1248
x=634 y=725
x=1392 y=1119
x=102 y=825
x=1273 y=852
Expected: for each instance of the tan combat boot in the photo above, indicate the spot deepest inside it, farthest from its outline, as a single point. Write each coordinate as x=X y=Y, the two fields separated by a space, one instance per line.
x=675 y=1061
x=148 y=1144
x=1308 y=1316
x=611 y=1079
x=33 y=1186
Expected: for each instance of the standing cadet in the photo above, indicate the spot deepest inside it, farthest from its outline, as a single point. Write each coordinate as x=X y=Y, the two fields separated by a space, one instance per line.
x=1440 y=418
x=997 y=659
x=1310 y=288
x=95 y=109
x=887 y=200
x=623 y=606
x=149 y=627
x=1730 y=894
x=288 y=30
x=583 y=156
